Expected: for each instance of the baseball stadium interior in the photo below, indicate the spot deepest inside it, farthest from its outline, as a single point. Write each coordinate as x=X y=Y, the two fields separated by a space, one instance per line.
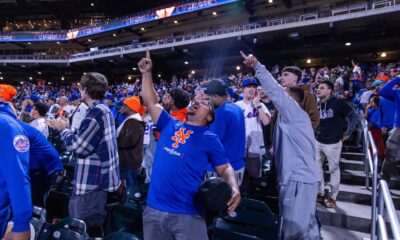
x=331 y=138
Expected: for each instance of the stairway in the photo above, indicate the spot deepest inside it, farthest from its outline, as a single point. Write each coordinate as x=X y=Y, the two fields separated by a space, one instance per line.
x=351 y=218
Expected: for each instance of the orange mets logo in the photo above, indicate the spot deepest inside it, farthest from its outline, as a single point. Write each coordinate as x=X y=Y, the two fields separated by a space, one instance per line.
x=180 y=137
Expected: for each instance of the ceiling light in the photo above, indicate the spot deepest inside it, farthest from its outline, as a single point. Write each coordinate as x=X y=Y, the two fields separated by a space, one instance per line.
x=193 y=72
x=89 y=40
x=30 y=78
x=186 y=62
x=29 y=43
x=238 y=68
x=62 y=78
x=348 y=44
x=114 y=35
x=92 y=4
x=1 y=78
x=22 y=83
x=129 y=78
x=58 y=43
x=40 y=73
x=270 y=1
x=159 y=75
x=308 y=61
x=176 y=21
x=383 y=54
x=214 y=13
x=134 y=69
x=142 y=29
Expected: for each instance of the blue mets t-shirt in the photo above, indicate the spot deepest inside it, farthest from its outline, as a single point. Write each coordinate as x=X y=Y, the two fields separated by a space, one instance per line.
x=182 y=155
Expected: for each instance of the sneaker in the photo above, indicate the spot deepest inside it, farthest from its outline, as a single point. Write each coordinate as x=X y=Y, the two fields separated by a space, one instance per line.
x=330 y=203
x=320 y=199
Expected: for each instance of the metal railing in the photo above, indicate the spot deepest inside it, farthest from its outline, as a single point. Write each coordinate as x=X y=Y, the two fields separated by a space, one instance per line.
x=373 y=170
x=386 y=203
x=233 y=31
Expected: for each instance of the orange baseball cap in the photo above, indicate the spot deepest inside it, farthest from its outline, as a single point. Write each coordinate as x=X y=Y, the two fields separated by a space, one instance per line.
x=7 y=92
x=133 y=103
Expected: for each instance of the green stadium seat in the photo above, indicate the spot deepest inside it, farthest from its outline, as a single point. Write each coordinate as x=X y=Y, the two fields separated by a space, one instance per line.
x=66 y=229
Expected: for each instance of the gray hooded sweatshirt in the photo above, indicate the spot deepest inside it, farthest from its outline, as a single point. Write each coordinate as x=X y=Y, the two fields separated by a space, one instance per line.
x=294 y=142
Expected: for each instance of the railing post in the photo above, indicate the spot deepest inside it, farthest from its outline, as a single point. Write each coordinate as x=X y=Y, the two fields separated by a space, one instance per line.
x=374 y=186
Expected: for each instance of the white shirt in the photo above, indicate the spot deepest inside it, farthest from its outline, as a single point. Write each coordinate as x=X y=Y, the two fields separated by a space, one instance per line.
x=78 y=116
x=149 y=124
x=40 y=124
x=254 y=133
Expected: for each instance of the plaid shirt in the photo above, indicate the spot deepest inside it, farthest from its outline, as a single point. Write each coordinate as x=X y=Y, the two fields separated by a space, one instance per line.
x=95 y=145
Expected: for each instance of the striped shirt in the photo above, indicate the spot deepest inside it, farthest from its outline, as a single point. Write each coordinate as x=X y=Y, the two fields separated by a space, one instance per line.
x=95 y=146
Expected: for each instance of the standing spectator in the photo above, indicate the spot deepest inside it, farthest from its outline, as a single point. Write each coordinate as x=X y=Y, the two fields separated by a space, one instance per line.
x=183 y=153
x=393 y=143
x=256 y=116
x=130 y=136
x=38 y=112
x=333 y=113
x=294 y=148
x=15 y=189
x=229 y=125
x=95 y=145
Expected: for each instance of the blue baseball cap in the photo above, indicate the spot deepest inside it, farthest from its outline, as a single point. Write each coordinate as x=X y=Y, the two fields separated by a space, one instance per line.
x=73 y=97
x=249 y=81
x=34 y=97
x=377 y=82
x=109 y=96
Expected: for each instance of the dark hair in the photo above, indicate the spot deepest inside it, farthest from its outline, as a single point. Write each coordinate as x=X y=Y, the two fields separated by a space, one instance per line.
x=181 y=98
x=295 y=70
x=376 y=100
x=95 y=84
x=297 y=94
x=327 y=83
x=25 y=117
x=41 y=108
x=212 y=114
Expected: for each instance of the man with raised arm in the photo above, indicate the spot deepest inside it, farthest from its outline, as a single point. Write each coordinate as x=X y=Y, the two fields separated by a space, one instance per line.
x=183 y=153
x=295 y=148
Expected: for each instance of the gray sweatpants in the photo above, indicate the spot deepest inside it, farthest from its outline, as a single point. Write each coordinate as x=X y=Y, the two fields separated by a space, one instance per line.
x=159 y=225
x=297 y=206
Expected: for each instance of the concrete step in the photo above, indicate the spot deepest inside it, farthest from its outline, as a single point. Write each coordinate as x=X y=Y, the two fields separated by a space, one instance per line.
x=355 y=165
x=336 y=233
x=353 y=155
x=360 y=195
x=352 y=177
x=349 y=148
x=346 y=215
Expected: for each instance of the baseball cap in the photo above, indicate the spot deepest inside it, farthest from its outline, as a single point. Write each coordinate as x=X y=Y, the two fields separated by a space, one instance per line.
x=34 y=97
x=109 y=96
x=73 y=97
x=249 y=81
x=216 y=87
x=7 y=92
x=134 y=104
x=214 y=195
x=377 y=82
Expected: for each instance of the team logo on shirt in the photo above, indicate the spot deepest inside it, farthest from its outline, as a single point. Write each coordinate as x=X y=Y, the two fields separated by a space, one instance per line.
x=21 y=143
x=180 y=137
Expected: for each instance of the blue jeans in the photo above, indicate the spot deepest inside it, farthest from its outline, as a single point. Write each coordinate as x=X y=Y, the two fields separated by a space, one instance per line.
x=130 y=177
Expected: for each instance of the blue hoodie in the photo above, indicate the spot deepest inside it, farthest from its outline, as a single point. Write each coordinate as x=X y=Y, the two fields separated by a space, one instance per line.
x=15 y=189
x=386 y=113
x=394 y=95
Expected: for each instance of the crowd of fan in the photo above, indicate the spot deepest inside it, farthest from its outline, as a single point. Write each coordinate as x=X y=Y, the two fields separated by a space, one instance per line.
x=329 y=96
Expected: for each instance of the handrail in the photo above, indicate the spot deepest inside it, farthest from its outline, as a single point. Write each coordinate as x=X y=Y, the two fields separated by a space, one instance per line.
x=386 y=202
x=374 y=184
x=367 y=154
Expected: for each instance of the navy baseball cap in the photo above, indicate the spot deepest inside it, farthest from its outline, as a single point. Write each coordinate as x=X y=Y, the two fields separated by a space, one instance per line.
x=109 y=96
x=216 y=87
x=250 y=81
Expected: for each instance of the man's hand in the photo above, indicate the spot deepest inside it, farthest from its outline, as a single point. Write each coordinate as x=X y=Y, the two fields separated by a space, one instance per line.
x=18 y=236
x=249 y=61
x=145 y=64
x=234 y=201
x=345 y=138
x=60 y=124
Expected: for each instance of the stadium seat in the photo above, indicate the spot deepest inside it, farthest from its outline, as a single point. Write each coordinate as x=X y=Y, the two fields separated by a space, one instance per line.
x=66 y=229
x=38 y=219
x=252 y=220
x=121 y=236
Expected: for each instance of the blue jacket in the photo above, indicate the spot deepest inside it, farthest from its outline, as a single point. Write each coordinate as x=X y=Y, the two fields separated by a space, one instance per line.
x=394 y=95
x=42 y=156
x=15 y=189
x=386 y=113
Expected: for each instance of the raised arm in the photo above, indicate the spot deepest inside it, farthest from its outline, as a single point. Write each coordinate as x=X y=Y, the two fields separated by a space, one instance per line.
x=149 y=93
x=387 y=90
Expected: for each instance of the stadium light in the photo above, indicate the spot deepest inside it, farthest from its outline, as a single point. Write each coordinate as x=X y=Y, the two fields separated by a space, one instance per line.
x=142 y=29
x=40 y=73
x=30 y=78
x=89 y=40
x=176 y=21
x=1 y=78
x=62 y=78
x=92 y=4
x=186 y=62
x=58 y=43
x=159 y=75
x=383 y=54
x=114 y=34
x=193 y=72
x=348 y=44
x=238 y=68
x=29 y=43
x=270 y=1
x=308 y=61
x=134 y=69
x=214 y=13
x=129 y=78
